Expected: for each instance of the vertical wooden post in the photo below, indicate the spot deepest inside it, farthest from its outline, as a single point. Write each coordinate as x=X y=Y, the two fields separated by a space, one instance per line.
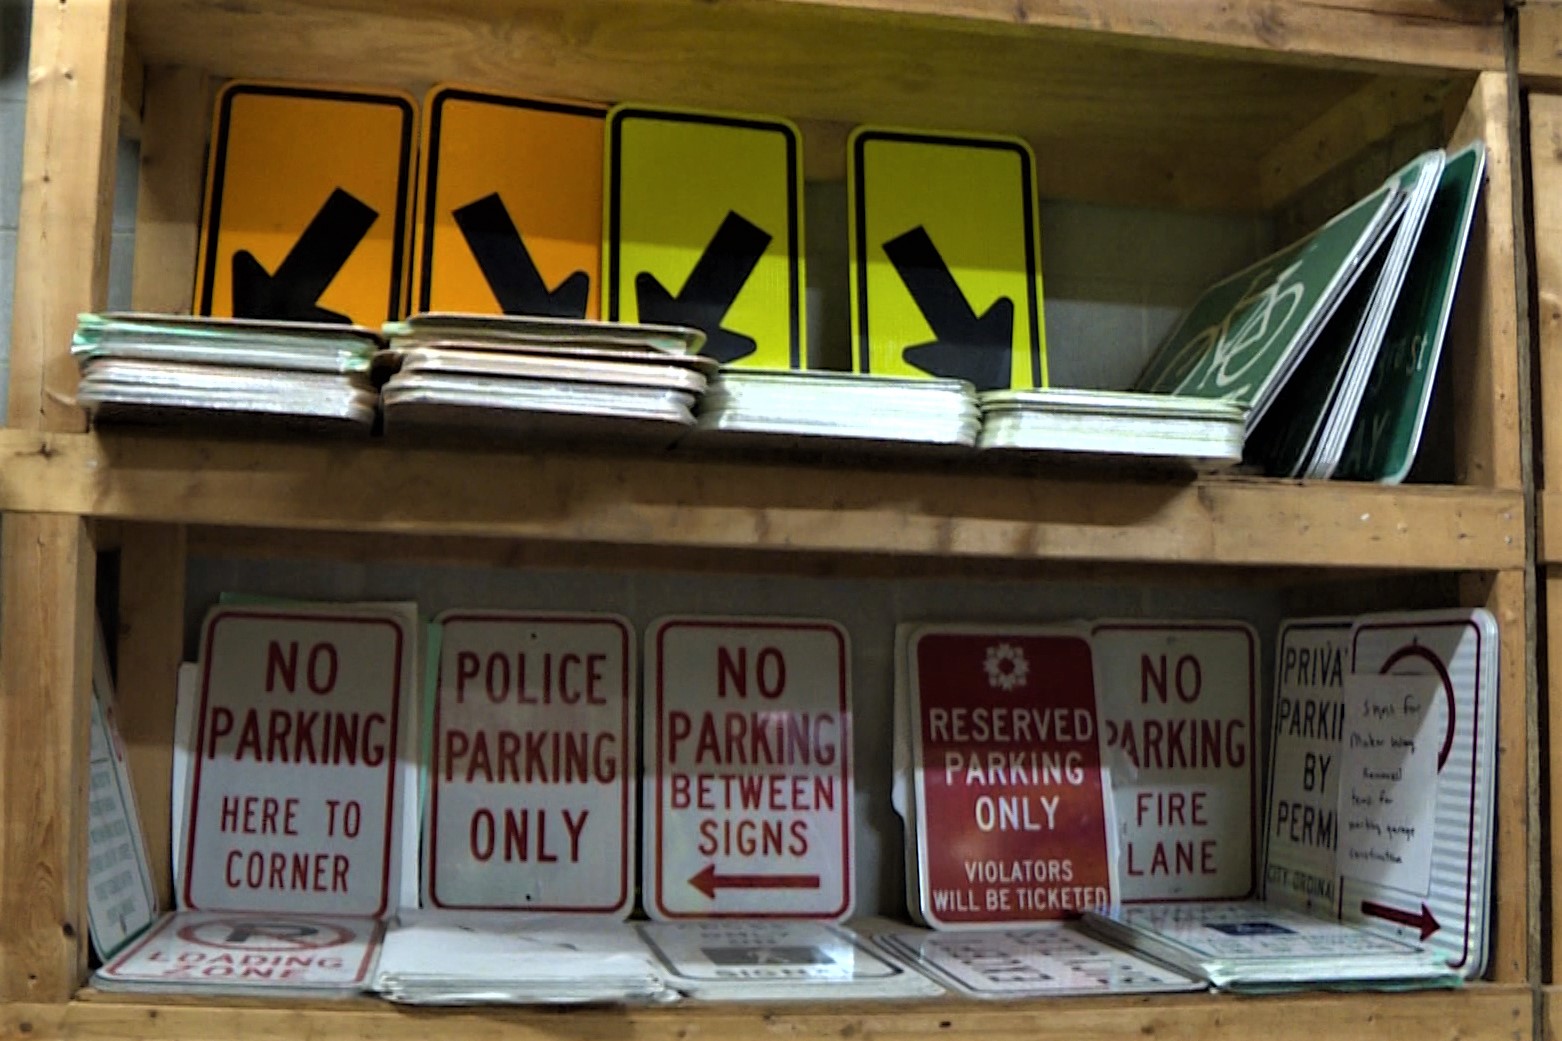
x=45 y=680
x=168 y=206
x=1485 y=373
x=151 y=645
x=76 y=63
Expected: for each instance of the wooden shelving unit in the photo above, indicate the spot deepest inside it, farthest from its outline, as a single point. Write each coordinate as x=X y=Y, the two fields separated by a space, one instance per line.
x=1257 y=106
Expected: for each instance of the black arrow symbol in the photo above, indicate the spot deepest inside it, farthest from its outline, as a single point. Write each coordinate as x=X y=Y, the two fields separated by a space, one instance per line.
x=708 y=293
x=290 y=293
x=507 y=264
x=968 y=348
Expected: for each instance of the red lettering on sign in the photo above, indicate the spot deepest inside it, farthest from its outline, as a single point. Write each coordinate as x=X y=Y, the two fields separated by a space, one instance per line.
x=750 y=838
x=288 y=872
x=530 y=757
x=512 y=836
x=313 y=737
x=1182 y=744
x=259 y=815
x=565 y=679
x=320 y=667
x=1169 y=858
x=747 y=739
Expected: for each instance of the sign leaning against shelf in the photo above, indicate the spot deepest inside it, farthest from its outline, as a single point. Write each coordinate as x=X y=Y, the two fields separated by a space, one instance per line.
x=293 y=787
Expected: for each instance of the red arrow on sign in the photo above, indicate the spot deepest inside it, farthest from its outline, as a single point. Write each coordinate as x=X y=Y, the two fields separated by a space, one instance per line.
x=708 y=881
x=1423 y=921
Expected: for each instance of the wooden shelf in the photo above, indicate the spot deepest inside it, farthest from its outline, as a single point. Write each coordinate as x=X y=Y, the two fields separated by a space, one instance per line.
x=1483 y=1012
x=700 y=502
x=1203 y=103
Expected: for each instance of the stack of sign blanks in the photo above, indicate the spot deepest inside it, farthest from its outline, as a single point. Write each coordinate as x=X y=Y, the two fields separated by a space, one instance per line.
x=833 y=409
x=773 y=960
x=176 y=369
x=556 y=377
x=1054 y=959
x=1085 y=424
x=442 y=958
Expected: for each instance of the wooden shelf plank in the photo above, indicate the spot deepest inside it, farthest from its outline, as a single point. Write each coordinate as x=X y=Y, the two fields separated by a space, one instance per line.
x=704 y=502
x=1482 y=1012
x=1167 y=104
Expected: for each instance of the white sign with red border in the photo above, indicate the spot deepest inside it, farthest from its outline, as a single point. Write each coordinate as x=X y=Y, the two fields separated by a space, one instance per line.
x=1179 y=703
x=1012 y=804
x=532 y=769
x=250 y=951
x=749 y=759
x=295 y=800
x=1416 y=785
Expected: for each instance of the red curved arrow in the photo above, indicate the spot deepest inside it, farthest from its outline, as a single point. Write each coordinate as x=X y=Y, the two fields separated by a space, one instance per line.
x=1423 y=921
x=708 y=881
x=1415 y=650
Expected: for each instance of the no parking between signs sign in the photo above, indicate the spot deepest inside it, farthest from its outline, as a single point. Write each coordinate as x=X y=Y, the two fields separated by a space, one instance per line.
x=532 y=766
x=748 y=806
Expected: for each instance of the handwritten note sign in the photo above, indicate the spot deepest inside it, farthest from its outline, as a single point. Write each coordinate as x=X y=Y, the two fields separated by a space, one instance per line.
x=1388 y=778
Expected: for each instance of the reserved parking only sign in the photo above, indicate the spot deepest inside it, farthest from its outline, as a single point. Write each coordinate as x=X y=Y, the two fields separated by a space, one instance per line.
x=748 y=749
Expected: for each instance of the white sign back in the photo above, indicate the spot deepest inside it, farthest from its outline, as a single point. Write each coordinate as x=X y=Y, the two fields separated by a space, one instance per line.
x=748 y=803
x=120 y=899
x=1179 y=703
x=294 y=801
x=532 y=766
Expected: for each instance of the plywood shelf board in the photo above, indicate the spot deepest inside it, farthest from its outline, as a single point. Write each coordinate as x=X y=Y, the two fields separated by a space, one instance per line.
x=715 y=504
x=1113 y=117
x=1482 y=1012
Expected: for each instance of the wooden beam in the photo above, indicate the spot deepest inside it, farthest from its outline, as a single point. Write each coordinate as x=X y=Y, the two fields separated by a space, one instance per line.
x=67 y=208
x=1545 y=160
x=1480 y=1012
x=168 y=205
x=46 y=636
x=151 y=646
x=1380 y=109
x=699 y=500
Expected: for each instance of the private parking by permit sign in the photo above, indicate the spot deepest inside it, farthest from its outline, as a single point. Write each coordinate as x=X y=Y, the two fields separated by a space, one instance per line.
x=294 y=795
x=532 y=764
x=1013 y=809
x=250 y=952
x=1179 y=701
x=1312 y=657
x=748 y=751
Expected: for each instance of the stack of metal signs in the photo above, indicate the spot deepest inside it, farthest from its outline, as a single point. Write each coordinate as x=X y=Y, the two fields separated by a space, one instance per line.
x=776 y=960
x=1097 y=425
x=1332 y=343
x=177 y=369
x=516 y=377
x=450 y=959
x=822 y=409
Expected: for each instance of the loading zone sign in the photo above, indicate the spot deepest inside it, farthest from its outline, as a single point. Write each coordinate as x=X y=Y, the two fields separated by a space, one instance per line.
x=531 y=773
x=248 y=950
x=748 y=805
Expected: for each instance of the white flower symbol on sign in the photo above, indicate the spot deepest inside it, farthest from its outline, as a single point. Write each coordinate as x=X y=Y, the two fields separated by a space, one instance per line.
x=1006 y=666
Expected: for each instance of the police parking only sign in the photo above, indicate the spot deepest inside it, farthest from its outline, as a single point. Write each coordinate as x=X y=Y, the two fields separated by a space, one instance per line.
x=531 y=774
x=748 y=800
x=294 y=800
